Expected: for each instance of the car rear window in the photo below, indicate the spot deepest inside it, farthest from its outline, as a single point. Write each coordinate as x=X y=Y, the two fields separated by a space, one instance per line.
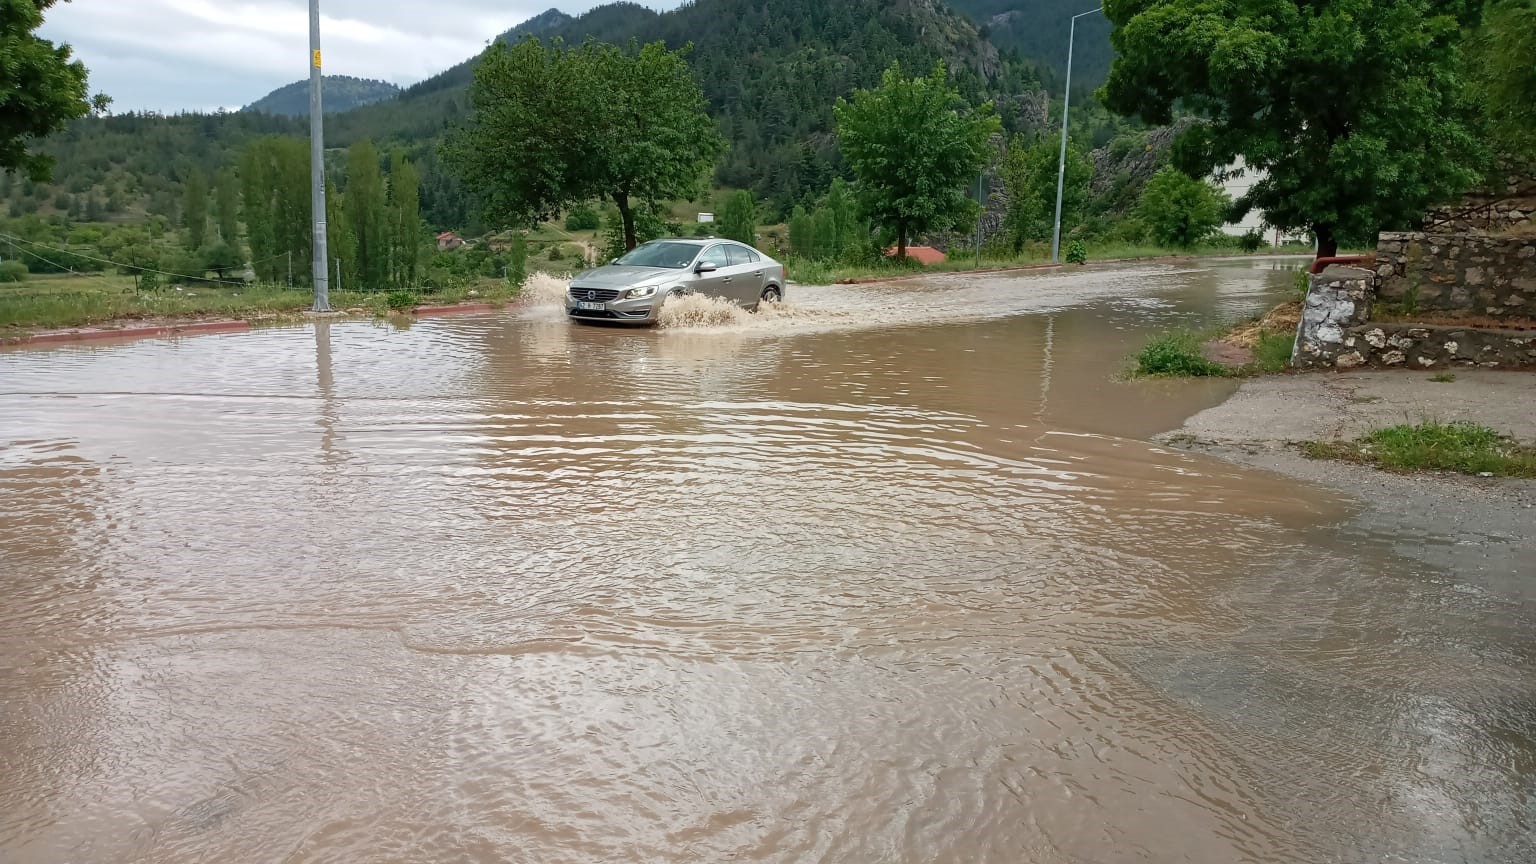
x=742 y=255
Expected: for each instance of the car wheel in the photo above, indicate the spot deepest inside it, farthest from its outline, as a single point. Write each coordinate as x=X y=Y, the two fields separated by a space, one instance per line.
x=771 y=294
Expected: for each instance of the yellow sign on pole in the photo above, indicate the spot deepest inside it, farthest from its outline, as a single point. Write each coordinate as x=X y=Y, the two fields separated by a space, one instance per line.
x=316 y=52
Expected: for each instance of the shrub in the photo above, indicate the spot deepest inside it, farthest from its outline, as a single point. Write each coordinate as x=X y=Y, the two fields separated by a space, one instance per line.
x=1179 y=210
x=401 y=301
x=582 y=218
x=1077 y=253
x=705 y=229
x=554 y=253
x=1251 y=242
x=517 y=260
x=1176 y=354
x=13 y=271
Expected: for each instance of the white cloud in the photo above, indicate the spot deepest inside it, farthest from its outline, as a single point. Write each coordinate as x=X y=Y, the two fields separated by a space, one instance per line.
x=174 y=55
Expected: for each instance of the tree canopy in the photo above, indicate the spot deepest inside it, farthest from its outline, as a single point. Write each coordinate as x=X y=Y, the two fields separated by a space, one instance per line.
x=1505 y=51
x=41 y=88
x=1179 y=210
x=553 y=126
x=1354 y=110
x=914 y=146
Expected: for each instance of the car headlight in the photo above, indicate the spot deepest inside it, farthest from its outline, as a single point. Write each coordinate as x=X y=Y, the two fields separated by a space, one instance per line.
x=633 y=293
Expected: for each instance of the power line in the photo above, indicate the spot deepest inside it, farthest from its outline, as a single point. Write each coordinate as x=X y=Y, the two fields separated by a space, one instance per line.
x=117 y=264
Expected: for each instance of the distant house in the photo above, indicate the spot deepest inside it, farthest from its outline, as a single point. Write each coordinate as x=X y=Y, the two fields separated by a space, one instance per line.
x=924 y=255
x=448 y=240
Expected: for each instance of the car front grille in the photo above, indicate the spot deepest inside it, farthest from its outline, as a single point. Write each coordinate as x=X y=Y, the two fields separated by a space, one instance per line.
x=598 y=295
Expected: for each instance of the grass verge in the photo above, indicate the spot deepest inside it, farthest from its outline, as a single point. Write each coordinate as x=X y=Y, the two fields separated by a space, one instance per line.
x=1463 y=447
x=44 y=304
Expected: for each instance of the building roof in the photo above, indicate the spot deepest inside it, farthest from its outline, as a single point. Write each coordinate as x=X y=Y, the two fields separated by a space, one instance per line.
x=925 y=255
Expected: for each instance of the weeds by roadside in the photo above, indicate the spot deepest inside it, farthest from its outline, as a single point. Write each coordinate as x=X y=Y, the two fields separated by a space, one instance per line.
x=1463 y=447
x=1176 y=355
x=1182 y=355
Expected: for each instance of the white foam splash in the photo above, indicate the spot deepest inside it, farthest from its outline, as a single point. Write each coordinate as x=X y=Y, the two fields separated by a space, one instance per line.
x=697 y=310
x=542 y=289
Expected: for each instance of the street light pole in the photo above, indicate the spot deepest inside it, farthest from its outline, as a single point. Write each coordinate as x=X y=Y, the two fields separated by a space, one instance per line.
x=1066 y=104
x=317 y=164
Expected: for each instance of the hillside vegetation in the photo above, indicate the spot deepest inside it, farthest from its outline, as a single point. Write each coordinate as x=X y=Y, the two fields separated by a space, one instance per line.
x=342 y=93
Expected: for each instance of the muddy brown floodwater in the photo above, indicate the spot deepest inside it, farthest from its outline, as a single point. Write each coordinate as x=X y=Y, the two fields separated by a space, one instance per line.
x=886 y=575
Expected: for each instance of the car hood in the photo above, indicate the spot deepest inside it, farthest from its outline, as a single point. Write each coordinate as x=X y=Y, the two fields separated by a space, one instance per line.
x=624 y=277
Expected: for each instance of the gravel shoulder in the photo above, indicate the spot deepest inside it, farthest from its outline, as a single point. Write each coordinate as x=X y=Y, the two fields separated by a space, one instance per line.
x=1480 y=528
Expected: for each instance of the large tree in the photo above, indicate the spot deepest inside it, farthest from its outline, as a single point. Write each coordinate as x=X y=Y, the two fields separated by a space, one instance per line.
x=1353 y=111
x=553 y=126
x=41 y=89
x=1029 y=174
x=915 y=147
x=1505 y=51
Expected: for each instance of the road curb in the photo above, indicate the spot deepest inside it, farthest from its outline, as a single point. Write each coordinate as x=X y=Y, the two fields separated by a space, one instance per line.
x=160 y=331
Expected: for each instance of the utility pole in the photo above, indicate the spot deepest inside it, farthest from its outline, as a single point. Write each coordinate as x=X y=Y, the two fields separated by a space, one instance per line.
x=338 y=272
x=979 y=216
x=1061 y=170
x=317 y=163
x=290 y=269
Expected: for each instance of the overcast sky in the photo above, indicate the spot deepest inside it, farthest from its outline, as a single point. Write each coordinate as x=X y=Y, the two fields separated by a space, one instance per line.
x=174 y=55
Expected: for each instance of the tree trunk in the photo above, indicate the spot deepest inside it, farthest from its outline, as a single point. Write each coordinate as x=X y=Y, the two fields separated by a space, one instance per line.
x=901 y=241
x=627 y=216
x=1327 y=243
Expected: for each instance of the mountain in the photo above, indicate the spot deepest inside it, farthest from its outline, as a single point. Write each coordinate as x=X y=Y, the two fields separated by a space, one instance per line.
x=341 y=92
x=771 y=71
x=1039 y=30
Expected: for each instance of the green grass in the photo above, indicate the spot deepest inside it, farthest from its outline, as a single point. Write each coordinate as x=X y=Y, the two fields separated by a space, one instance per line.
x=1463 y=447
x=1273 y=353
x=1176 y=355
x=1444 y=378
x=45 y=303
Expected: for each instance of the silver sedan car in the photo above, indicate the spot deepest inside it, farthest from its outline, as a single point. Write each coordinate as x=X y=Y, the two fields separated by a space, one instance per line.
x=633 y=288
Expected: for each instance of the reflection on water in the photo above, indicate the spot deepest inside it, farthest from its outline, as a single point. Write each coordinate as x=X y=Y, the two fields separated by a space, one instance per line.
x=833 y=585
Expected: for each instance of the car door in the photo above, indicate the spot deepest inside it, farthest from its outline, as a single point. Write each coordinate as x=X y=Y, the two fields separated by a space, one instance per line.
x=718 y=282
x=746 y=286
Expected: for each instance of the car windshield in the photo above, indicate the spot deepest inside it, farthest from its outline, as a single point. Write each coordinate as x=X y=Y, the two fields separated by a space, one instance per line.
x=673 y=256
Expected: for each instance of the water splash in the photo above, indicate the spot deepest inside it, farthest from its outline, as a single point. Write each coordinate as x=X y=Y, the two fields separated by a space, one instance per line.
x=697 y=310
x=542 y=289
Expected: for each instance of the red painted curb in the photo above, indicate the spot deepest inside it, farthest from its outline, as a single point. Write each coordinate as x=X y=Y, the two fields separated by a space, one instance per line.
x=450 y=310
x=156 y=332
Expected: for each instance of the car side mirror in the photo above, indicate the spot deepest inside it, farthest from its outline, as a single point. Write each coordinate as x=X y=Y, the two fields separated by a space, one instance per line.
x=613 y=262
x=705 y=267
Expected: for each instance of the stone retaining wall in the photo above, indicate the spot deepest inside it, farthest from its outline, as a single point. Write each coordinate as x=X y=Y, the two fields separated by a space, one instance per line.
x=1472 y=273
x=1339 y=300
x=1419 y=346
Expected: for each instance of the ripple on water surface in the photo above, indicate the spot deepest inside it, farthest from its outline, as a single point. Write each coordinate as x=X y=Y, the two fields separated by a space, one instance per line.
x=783 y=591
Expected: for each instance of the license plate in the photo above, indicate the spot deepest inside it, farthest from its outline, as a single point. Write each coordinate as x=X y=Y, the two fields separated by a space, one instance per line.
x=596 y=307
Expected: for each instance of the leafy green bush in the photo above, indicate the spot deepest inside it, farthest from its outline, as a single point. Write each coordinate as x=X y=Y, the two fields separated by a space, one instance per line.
x=1176 y=354
x=13 y=271
x=1251 y=242
x=1077 y=253
x=553 y=253
x=401 y=301
x=517 y=260
x=1179 y=210
x=582 y=218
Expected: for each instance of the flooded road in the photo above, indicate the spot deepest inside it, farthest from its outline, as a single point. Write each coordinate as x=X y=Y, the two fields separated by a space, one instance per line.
x=887 y=575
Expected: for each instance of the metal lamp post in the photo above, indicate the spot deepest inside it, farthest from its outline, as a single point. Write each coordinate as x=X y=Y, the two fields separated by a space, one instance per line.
x=1066 y=104
x=317 y=164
